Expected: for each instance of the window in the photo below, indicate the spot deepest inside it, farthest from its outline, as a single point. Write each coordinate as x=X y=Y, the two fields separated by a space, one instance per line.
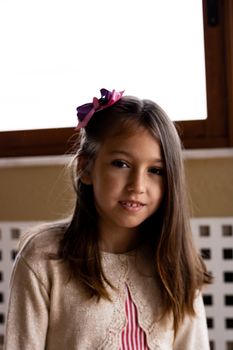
x=215 y=131
x=160 y=56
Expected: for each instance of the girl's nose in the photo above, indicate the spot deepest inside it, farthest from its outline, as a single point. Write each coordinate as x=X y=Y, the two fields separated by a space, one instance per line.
x=136 y=183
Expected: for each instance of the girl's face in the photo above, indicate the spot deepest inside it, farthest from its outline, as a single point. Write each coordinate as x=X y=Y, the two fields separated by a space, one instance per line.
x=128 y=183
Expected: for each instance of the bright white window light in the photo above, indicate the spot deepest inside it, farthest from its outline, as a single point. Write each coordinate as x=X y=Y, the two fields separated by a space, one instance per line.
x=56 y=55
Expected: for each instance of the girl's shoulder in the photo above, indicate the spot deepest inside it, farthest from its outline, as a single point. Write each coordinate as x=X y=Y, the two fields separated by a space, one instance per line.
x=37 y=260
x=41 y=240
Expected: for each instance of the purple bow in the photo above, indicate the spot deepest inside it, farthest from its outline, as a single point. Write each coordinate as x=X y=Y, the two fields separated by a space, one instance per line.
x=86 y=111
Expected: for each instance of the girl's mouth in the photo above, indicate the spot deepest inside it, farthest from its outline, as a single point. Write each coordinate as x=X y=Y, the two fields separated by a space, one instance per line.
x=131 y=205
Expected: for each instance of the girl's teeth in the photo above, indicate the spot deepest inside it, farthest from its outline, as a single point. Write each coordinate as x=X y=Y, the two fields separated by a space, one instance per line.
x=133 y=205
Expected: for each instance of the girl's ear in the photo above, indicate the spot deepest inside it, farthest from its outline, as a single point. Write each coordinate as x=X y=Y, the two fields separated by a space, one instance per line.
x=84 y=169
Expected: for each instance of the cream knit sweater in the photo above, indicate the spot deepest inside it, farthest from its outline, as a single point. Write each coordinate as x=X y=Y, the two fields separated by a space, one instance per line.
x=47 y=310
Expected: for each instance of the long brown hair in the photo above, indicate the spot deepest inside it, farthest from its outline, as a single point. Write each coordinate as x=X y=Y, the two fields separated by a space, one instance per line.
x=180 y=269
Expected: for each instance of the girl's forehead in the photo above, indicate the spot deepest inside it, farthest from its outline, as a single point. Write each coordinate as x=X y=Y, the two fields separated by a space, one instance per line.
x=134 y=141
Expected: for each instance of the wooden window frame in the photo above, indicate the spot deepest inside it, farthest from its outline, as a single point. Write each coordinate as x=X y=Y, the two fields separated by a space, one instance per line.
x=217 y=130
x=214 y=132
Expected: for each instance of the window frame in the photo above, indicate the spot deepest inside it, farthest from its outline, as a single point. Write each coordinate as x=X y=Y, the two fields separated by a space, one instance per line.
x=214 y=132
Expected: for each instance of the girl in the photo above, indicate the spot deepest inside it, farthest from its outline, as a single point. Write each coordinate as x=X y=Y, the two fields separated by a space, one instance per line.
x=123 y=273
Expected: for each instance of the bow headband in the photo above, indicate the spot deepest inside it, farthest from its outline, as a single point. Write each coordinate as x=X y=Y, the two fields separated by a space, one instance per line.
x=86 y=111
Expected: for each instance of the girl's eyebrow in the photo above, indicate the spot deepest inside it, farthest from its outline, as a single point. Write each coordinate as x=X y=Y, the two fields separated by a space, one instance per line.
x=125 y=153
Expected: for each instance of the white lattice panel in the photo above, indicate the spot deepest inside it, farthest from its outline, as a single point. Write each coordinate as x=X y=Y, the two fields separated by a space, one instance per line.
x=214 y=239
x=10 y=233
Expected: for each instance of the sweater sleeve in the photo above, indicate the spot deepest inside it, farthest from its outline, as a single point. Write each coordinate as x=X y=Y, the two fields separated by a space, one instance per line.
x=193 y=334
x=28 y=307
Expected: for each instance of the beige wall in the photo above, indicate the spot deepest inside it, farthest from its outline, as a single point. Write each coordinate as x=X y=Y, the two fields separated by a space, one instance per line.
x=44 y=192
x=210 y=182
x=35 y=193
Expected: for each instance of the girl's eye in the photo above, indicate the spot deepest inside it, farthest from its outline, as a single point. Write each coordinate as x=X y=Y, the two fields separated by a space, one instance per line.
x=120 y=164
x=157 y=171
